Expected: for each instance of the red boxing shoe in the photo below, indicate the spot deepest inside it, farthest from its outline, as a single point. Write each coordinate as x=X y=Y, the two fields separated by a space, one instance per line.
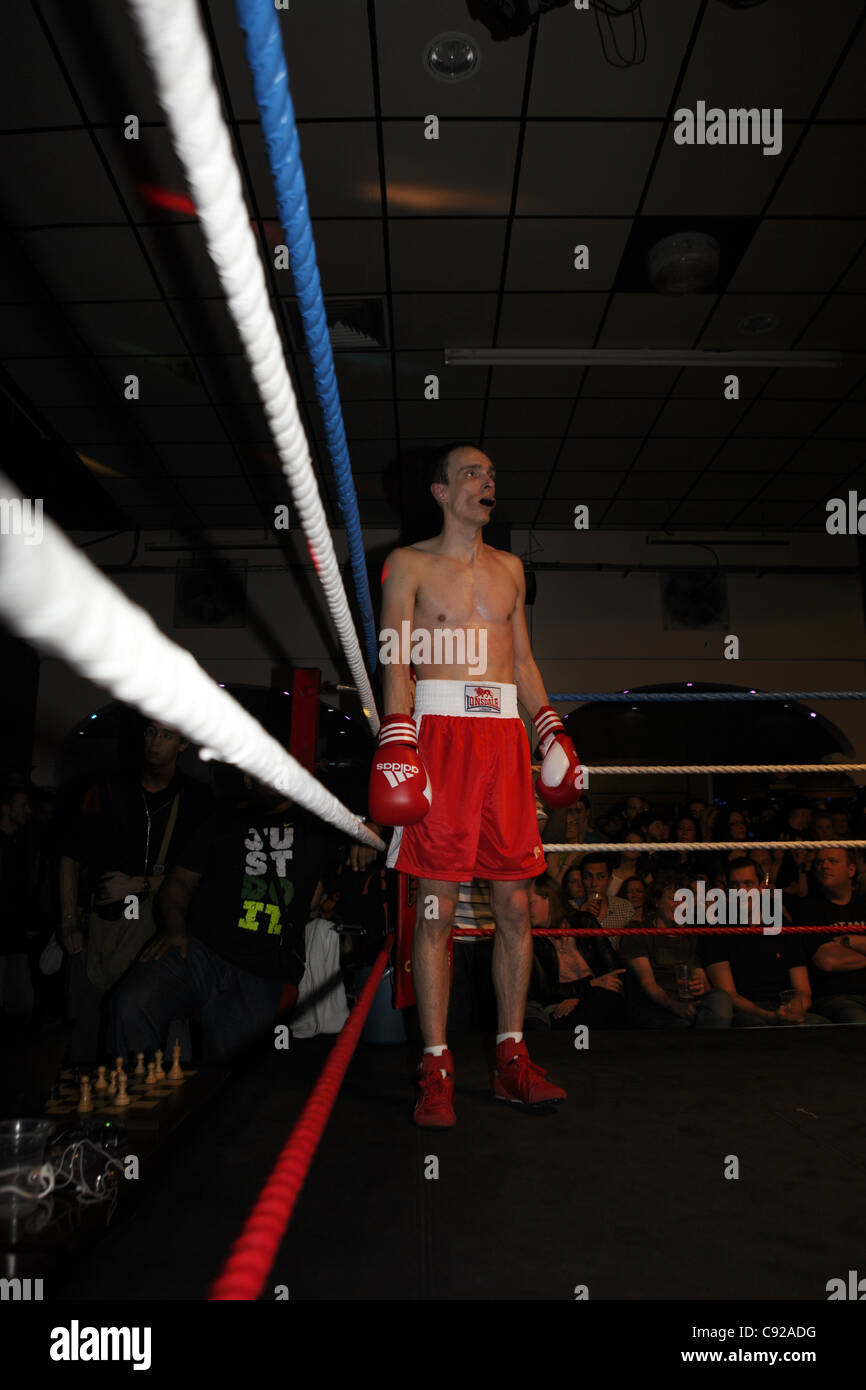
x=519 y=1080
x=435 y=1106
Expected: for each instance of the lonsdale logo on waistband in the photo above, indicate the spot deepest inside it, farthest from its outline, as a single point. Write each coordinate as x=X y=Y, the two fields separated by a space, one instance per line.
x=487 y=697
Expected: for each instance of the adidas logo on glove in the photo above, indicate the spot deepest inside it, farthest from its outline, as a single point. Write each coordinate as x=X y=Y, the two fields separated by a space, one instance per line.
x=397 y=772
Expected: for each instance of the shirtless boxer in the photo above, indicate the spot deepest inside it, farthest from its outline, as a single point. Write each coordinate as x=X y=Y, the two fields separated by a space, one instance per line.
x=456 y=778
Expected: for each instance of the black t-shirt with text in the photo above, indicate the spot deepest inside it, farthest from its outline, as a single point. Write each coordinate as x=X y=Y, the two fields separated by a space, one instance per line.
x=259 y=871
x=819 y=911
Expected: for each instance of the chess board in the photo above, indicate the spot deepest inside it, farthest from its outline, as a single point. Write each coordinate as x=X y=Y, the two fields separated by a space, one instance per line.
x=147 y=1103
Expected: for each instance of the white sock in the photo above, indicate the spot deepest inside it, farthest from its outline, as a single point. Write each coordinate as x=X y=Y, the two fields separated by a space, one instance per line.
x=500 y=1037
x=437 y=1052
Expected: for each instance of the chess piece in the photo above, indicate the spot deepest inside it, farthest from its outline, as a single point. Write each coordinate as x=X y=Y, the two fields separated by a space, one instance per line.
x=112 y=1083
x=86 y=1102
x=122 y=1097
x=175 y=1076
x=101 y=1083
x=139 y=1064
x=119 y=1067
x=160 y=1069
x=151 y=1074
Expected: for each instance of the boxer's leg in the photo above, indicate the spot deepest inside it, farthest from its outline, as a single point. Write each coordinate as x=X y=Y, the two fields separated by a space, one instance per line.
x=512 y=951
x=430 y=971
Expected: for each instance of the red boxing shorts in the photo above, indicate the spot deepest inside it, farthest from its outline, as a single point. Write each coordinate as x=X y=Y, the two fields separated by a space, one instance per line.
x=482 y=822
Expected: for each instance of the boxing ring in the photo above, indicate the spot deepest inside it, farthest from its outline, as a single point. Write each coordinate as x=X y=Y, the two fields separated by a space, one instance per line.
x=55 y=598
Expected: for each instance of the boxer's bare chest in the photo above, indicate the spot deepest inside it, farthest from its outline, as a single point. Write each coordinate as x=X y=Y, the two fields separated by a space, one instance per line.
x=455 y=594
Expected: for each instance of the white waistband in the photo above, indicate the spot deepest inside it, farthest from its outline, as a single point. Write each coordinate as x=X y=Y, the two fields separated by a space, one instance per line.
x=491 y=700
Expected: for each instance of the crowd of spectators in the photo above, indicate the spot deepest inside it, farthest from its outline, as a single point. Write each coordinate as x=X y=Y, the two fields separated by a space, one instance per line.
x=700 y=978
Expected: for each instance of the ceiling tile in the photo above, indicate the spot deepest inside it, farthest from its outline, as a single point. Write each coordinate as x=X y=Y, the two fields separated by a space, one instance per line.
x=837 y=327
x=198 y=424
x=794 y=311
x=855 y=280
x=655 y=320
x=751 y=455
x=102 y=51
x=542 y=253
x=327 y=50
x=846 y=99
x=446 y=254
x=708 y=180
x=628 y=417
x=454 y=382
x=668 y=454
x=437 y=320
x=598 y=453
x=707 y=515
x=196 y=460
x=528 y=417
x=797 y=255
x=539 y=381
x=699 y=418
x=520 y=453
x=752 y=58
x=56 y=177
x=707 y=383
x=442 y=419
x=341 y=169
x=123 y=329
x=100 y=263
x=77 y=423
x=782 y=419
x=575 y=486
x=847 y=421
x=631 y=382
x=566 y=167
x=812 y=184
x=350 y=255
x=665 y=487
x=34 y=91
x=548 y=320
x=468 y=170
x=623 y=513
x=571 y=77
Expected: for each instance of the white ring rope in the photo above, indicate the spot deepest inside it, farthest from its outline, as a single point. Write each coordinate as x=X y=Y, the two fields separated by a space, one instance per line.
x=181 y=62
x=727 y=767
x=54 y=596
x=651 y=847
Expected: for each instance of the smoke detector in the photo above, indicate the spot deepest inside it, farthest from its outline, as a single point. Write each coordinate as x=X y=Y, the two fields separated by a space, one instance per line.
x=683 y=263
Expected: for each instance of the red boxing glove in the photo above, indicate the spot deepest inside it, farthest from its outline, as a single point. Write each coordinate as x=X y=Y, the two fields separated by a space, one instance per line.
x=562 y=778
x=400 y=792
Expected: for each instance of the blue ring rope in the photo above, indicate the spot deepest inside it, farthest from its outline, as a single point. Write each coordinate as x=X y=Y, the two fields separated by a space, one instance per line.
x=659 y=697
x=267 y=60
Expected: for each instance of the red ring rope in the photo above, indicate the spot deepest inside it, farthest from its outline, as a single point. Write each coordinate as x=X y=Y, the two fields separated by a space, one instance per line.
x=251 y=1258
x=850 y=929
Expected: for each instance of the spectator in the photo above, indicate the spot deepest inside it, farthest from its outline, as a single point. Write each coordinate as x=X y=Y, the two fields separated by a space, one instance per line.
x=634 y=892
x=839 y=820
x=568 y=827
x=755 y=970
x=572 y=887
x=235 y=906
x=731 y=824
x=654 y=826
x=16 y=984
x=610 y=912
x=822 y=825
x=635 y=806
x=628 y=862
x=655 y=961
x=574 y=980
x=117 y=849
x=837 y=961
x=321 y=1005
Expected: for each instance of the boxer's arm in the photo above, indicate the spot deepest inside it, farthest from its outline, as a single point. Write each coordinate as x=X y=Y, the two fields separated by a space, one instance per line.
x=399 y=587
x=530 y=686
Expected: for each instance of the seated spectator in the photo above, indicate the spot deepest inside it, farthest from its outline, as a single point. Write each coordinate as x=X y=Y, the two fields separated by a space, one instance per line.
x=731 y=823
x=626 y=863
x=654 y=826
x=656 y=961
x=755 y=970
x=235 y=906
x=634 y=892
x=839 y=819
x=568 y=827
x=821 y=827
x=698 y=811
x=16 y=983
x=572 y=887
x=611 y=912
x=575 y=980
x=837 y=961
x=634 y=806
